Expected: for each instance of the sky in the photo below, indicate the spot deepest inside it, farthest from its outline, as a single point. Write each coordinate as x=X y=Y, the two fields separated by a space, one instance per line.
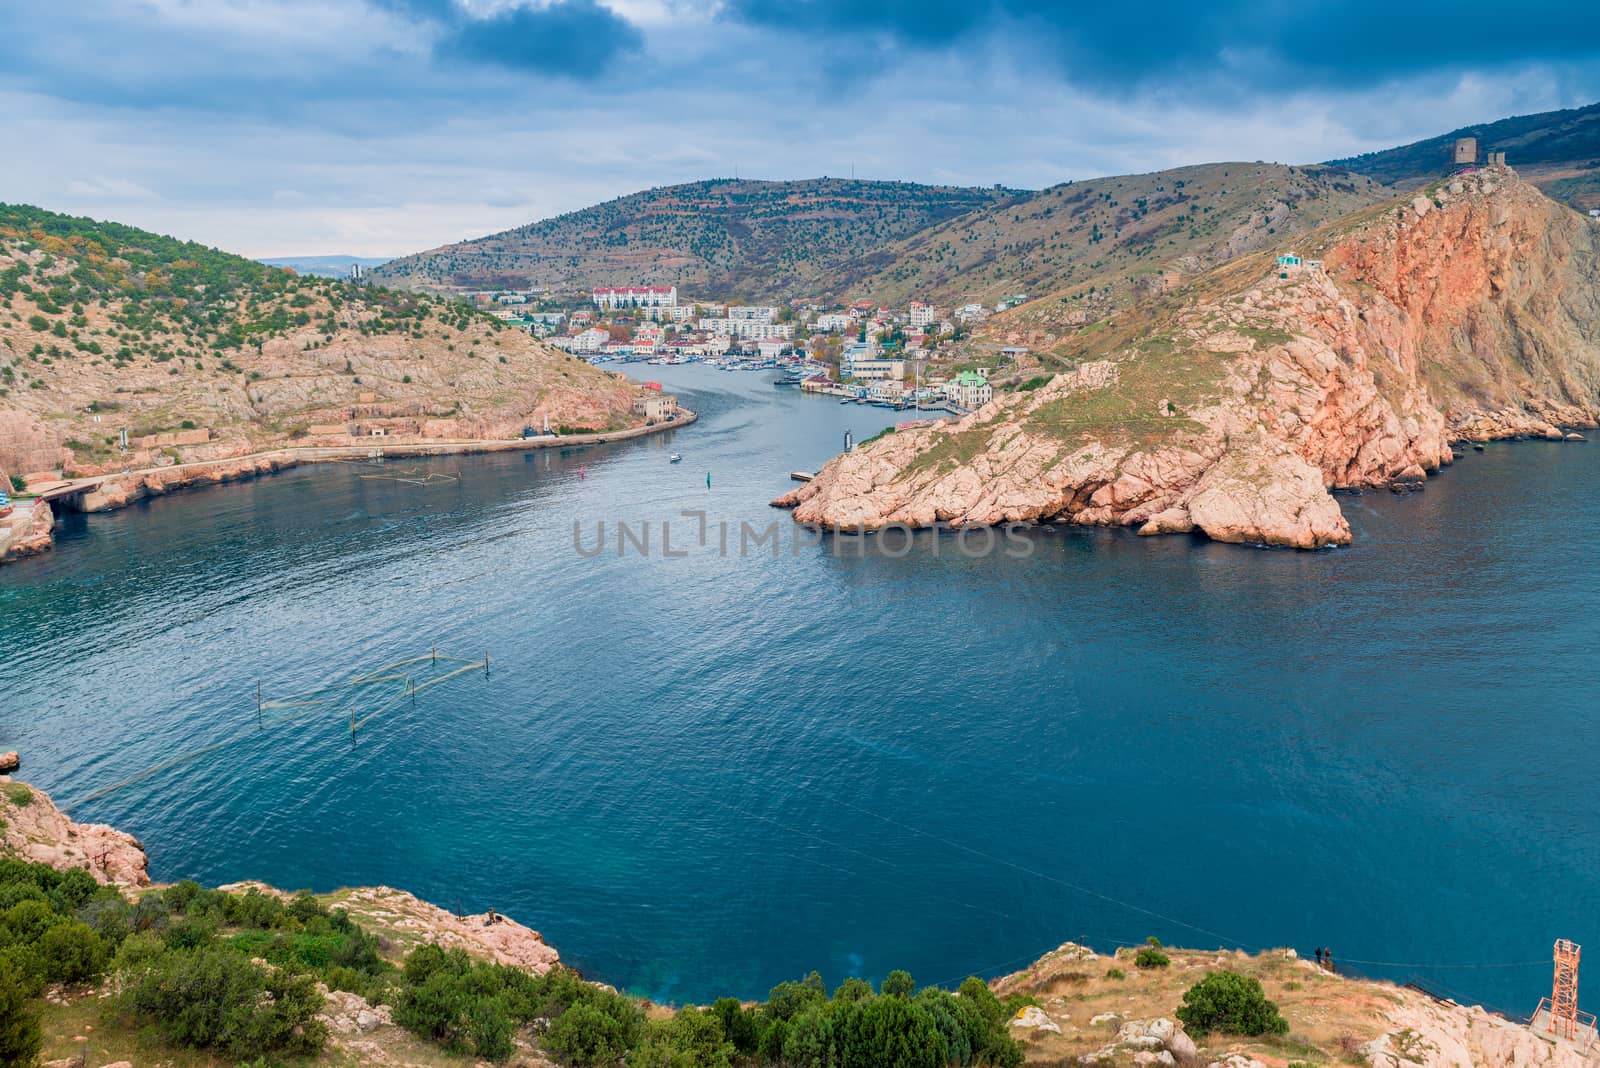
x=381 y=127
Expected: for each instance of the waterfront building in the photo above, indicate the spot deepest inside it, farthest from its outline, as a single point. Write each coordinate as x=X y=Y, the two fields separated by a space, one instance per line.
x=969 y=390
x=747 y=329
x=872 y=370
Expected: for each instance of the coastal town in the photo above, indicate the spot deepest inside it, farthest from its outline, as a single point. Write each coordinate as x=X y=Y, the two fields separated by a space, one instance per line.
x=903 y=358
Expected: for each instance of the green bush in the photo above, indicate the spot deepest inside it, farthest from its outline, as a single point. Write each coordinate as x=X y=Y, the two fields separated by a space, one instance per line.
x=898 y=984
x=1232 y=1003
x=742 y=1027
x=71 y=953
x=1149 y=957
x=887 y=1032
x=19 y=794
x=212 y=998
x=691 y=1039
x=21 y=1037
x=489 y=1027
x=587 y=1036
x=1116 y=973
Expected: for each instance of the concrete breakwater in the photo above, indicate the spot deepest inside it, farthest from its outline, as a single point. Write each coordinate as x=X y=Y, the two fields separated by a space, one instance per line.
x=105 y=493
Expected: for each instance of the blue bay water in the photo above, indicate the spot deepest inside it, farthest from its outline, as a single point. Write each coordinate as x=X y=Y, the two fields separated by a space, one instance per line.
x=704 y=774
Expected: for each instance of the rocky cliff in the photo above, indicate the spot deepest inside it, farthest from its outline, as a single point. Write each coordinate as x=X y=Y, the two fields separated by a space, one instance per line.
x=1088 y=1009
x=198 y=355
x=1233 y=405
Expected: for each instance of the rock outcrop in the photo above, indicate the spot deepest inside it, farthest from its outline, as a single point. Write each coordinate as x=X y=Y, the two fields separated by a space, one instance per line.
x=27 y=531
x=35 y=829
x=1233 y=405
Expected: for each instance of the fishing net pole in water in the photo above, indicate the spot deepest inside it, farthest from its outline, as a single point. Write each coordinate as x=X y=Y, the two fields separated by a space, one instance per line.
x=358 y=699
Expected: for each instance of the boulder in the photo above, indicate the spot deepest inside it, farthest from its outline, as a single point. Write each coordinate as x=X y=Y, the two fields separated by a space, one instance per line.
x=1161 y=1057
x=1182 y=1046
x=1034 y=1018
x=1575 y=436
x=9 y=762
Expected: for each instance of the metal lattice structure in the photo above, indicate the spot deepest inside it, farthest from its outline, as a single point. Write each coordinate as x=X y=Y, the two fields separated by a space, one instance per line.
x=1564 y=990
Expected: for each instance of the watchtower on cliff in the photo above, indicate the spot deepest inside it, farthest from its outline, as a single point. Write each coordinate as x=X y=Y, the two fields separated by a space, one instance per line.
x=1466 y=152
x=1558 y=1017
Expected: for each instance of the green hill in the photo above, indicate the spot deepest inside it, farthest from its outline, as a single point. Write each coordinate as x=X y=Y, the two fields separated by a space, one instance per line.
x=723 y=237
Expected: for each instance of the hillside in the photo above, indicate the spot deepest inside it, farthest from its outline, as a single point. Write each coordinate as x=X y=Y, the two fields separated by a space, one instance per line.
x=200 y=355
x=722 y=237
x=1094 y=245
x=101 y=964
x=1559 y=151
x=1229 y=406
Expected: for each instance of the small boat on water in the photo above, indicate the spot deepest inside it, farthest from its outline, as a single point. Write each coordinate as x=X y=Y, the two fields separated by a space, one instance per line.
x=674 y=458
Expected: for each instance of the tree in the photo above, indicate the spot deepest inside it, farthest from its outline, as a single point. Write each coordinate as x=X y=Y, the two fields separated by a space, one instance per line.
x=71 y=953
x=21 y=1037
x=586 y=1035
x=888 y=1032
x=1231 y=1003
x=898 y=984
x=692 y=1039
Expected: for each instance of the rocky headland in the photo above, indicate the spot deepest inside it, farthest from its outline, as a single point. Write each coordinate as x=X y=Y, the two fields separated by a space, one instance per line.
x=1086 y=1008
x=1233 y=405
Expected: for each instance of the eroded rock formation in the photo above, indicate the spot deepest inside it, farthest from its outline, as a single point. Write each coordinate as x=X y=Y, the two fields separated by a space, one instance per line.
x=1232 y=406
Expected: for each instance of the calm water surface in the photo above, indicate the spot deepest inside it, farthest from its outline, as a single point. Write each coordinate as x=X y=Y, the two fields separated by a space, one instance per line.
x=704 y=774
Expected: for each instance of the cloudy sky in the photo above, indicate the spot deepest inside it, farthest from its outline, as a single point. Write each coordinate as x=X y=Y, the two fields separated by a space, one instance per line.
x=378 y=127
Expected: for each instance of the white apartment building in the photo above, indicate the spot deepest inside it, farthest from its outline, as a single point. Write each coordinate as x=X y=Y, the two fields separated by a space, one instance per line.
x=876 y=370
x=833 y=322
x=611 y=298
x=969 y=313
x=921 y=314
x=589 y=341
x=747 y=329
x=751 y=311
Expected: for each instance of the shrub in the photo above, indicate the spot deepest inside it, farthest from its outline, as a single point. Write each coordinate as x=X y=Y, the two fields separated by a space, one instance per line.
x=898 y=984
x=213 y=998
x=788 y=999
x=741 y=1027
x=26 y=922
x=585 y=1035
x=1232 y=1003
x=489 y=1026
x=691 y=1039
x=852 y=989
x=21 y=1037
x=1151 y=958
x=71 y=953
x=887 y=1032
x=19 y=795
x=1116 y=973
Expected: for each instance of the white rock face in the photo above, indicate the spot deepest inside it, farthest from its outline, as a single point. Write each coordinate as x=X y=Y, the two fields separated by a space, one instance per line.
x=1034 y=1018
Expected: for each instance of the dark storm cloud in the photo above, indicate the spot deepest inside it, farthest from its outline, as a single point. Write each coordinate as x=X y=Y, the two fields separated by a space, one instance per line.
x=1266 y=44
x=569 y=38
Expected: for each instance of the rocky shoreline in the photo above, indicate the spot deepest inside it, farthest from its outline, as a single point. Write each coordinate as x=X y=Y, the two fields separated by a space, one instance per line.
x=111 y=492
x=1233 y=406
x=1086 y=1008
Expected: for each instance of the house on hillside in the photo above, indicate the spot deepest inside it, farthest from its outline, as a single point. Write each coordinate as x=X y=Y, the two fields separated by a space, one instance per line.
x=969 y=390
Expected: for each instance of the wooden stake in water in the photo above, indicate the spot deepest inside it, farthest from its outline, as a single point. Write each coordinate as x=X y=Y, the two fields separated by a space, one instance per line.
x=436 y=653
x=258 y=702
x=486 y=665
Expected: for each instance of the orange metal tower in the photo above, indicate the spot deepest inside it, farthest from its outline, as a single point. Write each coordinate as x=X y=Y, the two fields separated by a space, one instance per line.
x=1564 y=990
